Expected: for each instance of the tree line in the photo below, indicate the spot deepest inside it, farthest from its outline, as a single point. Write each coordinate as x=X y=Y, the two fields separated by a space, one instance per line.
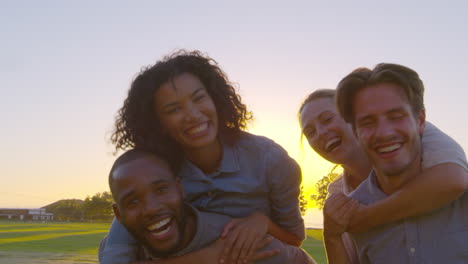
x=99 y=208
x=94 y=208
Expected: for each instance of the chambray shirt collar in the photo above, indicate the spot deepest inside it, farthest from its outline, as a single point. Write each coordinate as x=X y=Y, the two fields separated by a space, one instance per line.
x=373 y=187
x=188 y=168
x=229 y=162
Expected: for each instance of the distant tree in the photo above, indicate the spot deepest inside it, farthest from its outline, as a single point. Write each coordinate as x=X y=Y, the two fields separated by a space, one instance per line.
x=66 y=210
x=98 y=207
x=321 y=188
x=302 y=201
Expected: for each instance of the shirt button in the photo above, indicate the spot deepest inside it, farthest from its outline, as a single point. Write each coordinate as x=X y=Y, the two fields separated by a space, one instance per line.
x=412 y=250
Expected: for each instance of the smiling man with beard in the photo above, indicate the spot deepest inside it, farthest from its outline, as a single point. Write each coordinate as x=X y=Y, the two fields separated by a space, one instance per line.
x=149 y=203
x=386 y=109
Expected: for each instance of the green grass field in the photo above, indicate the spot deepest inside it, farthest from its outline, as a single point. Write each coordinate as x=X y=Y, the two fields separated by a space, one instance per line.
x=50 y=243
x=63 y=243
x=314 y=245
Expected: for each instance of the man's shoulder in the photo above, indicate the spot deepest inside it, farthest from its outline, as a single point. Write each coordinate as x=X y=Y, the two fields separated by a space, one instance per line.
x=208 y=228
x=438 y=148
x=212 y=222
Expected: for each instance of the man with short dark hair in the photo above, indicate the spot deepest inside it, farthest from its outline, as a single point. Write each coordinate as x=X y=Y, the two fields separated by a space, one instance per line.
x=149 y=203
x=386 y=109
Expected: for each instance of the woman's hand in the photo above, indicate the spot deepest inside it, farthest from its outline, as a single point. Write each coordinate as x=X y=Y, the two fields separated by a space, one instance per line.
x=242 y=237
x=337 y=213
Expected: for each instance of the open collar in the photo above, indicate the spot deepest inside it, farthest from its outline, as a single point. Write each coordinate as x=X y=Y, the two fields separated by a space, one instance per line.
x=229 y=162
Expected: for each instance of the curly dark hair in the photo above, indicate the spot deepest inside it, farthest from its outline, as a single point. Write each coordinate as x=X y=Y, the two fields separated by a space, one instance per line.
x=137 y=125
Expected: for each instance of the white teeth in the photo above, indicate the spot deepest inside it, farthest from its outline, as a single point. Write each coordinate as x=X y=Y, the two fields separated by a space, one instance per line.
x=389 y=148
x=330 y=142
x=159 y=224
x=199 y=128
x=162 y=232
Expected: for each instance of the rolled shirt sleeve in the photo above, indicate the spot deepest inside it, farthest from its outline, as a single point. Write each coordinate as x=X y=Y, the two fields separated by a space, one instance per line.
x=284 y=175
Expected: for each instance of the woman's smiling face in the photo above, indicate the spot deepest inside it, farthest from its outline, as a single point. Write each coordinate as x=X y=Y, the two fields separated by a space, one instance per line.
x=187 y=112
x=327 y=133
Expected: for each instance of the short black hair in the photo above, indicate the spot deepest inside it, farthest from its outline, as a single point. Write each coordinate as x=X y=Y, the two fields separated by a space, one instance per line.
x=128 y=156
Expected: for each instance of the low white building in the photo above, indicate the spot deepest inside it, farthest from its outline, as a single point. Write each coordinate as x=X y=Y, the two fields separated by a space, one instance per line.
x=26 y=214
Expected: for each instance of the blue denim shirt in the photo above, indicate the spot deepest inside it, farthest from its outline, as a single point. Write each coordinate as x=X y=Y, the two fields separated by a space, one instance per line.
x=255 y=175
x=440 y=236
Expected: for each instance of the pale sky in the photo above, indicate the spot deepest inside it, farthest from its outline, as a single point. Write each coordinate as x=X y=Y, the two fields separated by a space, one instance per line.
x=66 y=66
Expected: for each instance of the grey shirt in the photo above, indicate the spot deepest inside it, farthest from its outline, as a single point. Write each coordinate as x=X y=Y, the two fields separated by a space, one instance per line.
x=209 y=228
x=440 y=236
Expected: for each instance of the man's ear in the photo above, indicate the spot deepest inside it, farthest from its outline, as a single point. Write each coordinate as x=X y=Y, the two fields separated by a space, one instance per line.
x=421 y=119
x=116 y=210
x=180 y=187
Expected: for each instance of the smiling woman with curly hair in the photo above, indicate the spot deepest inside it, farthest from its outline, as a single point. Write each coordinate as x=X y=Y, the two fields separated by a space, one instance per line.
x=137 y=125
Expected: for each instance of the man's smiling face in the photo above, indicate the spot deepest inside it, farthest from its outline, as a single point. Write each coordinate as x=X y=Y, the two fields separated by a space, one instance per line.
x=387 y=128
x=149 y=204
